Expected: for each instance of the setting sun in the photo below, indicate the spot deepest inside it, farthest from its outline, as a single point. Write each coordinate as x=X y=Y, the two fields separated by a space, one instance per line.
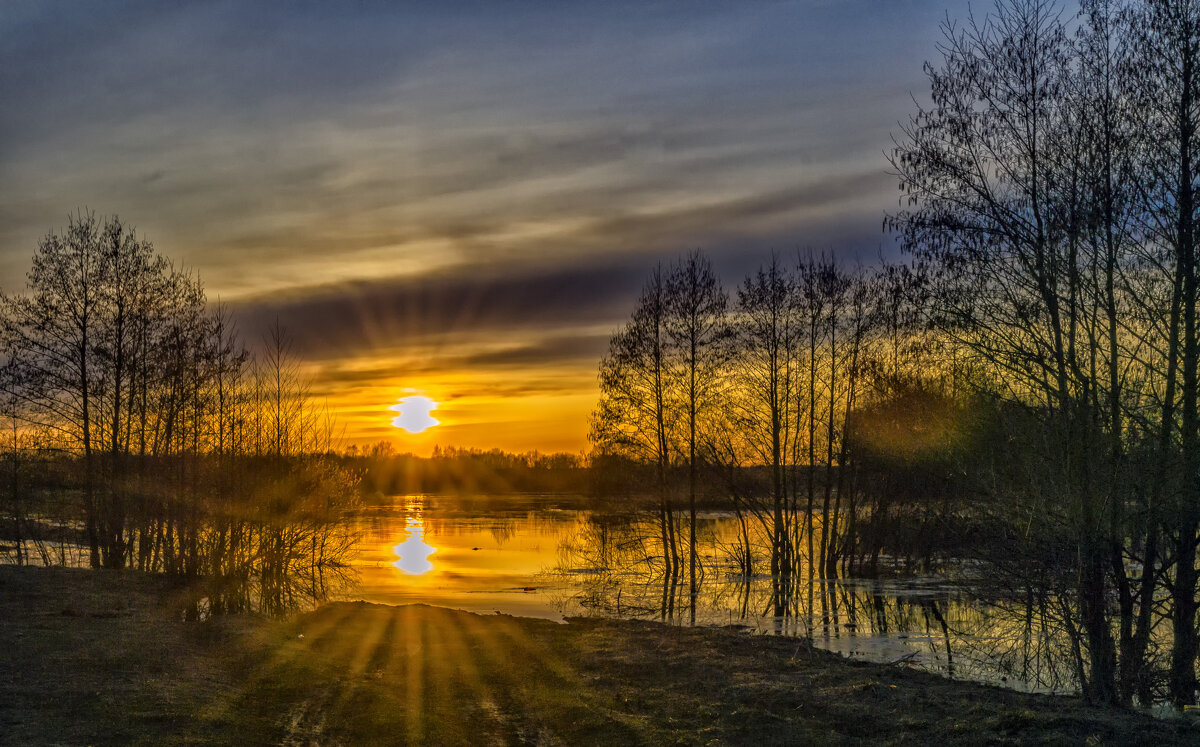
x=414 y=414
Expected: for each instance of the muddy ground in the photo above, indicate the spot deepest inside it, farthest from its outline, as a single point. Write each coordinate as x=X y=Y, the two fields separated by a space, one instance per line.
x=99 y=657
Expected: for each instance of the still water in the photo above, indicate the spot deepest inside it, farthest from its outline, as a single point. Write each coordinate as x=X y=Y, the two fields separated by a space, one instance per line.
x=484 y=555
x=544 y=556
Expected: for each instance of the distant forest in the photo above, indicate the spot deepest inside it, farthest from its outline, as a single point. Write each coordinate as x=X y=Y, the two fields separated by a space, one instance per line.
x=466 y=471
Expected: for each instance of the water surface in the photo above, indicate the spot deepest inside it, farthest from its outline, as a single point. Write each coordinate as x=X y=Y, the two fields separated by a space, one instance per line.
x=482 y=555
x=547 y=557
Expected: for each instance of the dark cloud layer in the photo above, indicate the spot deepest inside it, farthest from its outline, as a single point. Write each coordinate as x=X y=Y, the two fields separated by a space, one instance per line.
x=470 y=304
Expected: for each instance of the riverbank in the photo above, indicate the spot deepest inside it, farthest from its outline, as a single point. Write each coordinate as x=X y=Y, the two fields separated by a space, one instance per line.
x=96 y=657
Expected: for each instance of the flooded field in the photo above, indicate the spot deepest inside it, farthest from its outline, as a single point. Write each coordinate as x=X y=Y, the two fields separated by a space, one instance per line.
x=546 y=556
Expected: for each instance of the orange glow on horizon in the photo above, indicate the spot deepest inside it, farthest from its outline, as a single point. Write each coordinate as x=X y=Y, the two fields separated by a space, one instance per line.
x=517 y=410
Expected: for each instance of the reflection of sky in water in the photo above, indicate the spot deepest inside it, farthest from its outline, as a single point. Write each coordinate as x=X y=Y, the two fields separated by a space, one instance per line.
x=413 y=553
x=484 y=555
x=527 y=555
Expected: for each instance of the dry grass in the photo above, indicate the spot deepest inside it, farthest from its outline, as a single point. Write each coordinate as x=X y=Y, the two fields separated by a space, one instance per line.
x=98 y=657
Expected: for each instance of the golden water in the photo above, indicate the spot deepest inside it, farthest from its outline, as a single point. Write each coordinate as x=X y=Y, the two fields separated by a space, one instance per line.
x=440 y=551
x=540 y=556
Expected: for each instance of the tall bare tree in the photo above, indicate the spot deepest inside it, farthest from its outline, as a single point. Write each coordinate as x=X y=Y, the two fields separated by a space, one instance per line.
x=698 y=328
x=767 y=366
x=637 y=415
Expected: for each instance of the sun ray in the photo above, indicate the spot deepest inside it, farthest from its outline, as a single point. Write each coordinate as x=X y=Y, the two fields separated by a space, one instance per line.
x=320 y=623
x=457 y=651
x=414 y=675
x=381 y=631
x=531 y=650
x=519 y=686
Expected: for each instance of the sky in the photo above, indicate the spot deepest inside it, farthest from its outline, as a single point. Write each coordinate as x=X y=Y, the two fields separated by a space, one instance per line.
x=457 y=200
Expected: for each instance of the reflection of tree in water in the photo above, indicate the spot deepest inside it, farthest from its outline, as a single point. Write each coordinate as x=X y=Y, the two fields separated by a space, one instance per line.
x=455 y=517
x=275 y=568
x=616 y=565
x=275 y=545
x=502 y=530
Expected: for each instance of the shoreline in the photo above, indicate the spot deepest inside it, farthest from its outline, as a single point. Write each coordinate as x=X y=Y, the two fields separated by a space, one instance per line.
x=99 y=657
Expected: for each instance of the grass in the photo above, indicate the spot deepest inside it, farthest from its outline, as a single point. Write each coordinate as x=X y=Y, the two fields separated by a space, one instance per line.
x=96 y=657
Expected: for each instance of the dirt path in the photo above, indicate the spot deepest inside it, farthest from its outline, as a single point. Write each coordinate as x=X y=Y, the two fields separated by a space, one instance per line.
x=98 y=658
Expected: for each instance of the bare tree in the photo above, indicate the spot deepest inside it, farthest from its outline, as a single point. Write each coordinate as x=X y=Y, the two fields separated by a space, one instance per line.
x=992 y=176
x=767 y=368
x=698 y=328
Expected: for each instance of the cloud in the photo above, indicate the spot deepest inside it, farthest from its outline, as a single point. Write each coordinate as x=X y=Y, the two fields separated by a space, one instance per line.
x=443 y=309
x=256 y=142
x=553 y=349
x=413 y=187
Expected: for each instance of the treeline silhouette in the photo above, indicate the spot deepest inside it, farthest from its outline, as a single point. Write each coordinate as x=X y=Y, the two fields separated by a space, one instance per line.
x=756 y=403
x=1022 y=391
x=467 y=471
x=143 y=434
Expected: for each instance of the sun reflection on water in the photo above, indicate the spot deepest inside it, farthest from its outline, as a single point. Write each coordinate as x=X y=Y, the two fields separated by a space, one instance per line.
x=414 y=552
